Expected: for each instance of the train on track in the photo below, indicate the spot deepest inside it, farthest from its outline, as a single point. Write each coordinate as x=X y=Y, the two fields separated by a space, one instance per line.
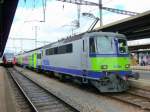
x=98 y=58
x=8 y=59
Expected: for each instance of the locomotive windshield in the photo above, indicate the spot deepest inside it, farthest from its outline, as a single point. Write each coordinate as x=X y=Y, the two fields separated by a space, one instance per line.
x=102 y=45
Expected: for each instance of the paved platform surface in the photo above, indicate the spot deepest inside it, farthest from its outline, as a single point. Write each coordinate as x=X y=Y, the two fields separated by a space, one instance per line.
x=137 y=67
x=144 y=74
x=3 y=107
x=141 y=83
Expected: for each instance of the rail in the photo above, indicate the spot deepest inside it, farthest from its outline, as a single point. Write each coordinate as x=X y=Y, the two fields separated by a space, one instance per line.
x=39 y=98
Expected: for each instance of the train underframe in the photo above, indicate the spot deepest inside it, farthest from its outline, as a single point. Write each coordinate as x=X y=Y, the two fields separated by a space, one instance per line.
x=8 y=64
x=111 y=83
x=114 y=82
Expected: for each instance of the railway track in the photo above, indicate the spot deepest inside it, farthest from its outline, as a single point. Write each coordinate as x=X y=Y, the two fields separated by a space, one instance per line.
x=137 y=97
x=21 y=104
x=39 y=98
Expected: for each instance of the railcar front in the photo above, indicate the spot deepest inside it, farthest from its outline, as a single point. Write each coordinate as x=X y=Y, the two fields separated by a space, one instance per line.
x=8 y=59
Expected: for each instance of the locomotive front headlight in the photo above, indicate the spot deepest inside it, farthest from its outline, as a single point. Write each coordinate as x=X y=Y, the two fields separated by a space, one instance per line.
x=104 y=66
x=127 y=66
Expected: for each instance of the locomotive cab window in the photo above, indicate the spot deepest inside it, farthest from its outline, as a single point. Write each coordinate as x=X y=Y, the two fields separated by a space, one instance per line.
x=102 y=45
x=122 y=44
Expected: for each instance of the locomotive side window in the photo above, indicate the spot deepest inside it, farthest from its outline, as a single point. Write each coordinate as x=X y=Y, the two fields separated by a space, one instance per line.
x=65 y=49
x=92 y=45
x=55 y=50
x=62 y=49
x=69 y=48
x=83 y=45
x=59 y=50
x=51 y=51
x=122 y=44
x=46 y=52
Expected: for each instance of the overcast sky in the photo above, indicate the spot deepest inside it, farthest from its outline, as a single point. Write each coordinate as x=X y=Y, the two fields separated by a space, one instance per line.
x=59 y=17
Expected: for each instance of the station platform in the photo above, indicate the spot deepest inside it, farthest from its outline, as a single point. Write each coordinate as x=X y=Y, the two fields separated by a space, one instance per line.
x=144 y=71
x=3 y=107
x=6 y=101
x=144 y=68
x=140 y=83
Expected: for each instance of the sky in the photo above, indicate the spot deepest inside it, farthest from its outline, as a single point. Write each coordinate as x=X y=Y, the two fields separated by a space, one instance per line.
x=59 y=18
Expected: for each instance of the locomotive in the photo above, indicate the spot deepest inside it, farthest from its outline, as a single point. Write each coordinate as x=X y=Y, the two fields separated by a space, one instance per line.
x=98 y=58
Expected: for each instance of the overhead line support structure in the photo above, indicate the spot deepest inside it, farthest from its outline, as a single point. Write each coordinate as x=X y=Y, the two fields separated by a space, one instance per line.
x=83 y=2
x=118 y=11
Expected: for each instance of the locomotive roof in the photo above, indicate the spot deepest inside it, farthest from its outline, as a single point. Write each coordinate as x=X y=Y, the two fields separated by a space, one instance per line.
x=79 y=36
x=30 y=50
x=117 y=35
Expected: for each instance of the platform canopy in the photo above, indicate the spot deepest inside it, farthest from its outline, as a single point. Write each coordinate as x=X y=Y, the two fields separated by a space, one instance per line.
x=7 y=11
x=135 y=27
x=137 y=47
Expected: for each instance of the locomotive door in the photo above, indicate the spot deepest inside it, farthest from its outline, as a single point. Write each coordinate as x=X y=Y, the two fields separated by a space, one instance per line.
x=84 y=55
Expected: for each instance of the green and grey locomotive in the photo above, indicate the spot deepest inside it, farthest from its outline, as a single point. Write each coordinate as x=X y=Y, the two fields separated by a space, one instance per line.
x=99 y=58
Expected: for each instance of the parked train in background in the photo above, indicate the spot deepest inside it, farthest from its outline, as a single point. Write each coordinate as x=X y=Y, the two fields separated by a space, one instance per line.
x=8 y=59
x=98 y=58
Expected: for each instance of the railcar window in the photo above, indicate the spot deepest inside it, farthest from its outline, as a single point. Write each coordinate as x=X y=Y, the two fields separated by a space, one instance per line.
x=122 y=44
x=9 y=55
x=32 y=56
x=39 y=56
